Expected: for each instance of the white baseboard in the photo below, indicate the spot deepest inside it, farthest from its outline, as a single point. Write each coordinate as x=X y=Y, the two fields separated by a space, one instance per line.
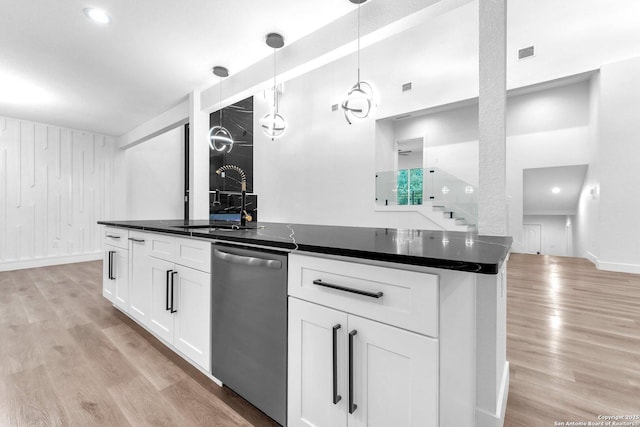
x=486 y=419
x=618 y=267
x=591 y=257
x=21 y=264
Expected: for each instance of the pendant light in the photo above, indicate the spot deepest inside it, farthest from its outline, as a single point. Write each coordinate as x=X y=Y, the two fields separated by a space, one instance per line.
x=359 y=101
x=273 y=124
x=220 y=138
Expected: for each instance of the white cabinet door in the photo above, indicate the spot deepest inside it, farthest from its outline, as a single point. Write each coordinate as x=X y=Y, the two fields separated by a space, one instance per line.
x=310 y=395
x=140 y=278
x=395 y=376
x=120 y=273
x=192 y=307
x=161 y=318
x=108 y=284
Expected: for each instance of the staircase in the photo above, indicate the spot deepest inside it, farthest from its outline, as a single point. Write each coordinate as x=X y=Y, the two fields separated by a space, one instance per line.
x=444 y=199
x=458 y=223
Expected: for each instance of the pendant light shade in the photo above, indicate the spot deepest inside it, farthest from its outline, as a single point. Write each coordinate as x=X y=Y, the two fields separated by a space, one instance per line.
x=220 y=138
x=360 y=100
x=273 y=123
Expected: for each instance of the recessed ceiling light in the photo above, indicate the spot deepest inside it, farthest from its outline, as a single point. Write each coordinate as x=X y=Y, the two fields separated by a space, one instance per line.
x=555 y=190
x=97 y=15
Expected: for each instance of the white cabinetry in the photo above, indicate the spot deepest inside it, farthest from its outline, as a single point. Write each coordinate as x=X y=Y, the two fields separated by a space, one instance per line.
x=348 y=370
x=115 y=267
x=174 y=293
x=164 y=283
x=139 y=276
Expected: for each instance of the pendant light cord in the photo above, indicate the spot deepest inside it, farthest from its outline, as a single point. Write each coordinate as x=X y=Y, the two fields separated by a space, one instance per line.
x=358 y=43
x=220 y=99
x=275 y=89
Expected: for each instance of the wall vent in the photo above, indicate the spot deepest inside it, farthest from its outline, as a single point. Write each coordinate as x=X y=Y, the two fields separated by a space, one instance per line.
x=407 y=87
x=526 y=52
x=334 y=107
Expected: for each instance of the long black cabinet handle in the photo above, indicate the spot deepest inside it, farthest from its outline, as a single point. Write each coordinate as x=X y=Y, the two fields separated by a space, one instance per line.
x=166 y=305
x=336 y=396
x=173 y=273
x=345 y=289
x=113 y=236
x=111 y=254
x=136 y=240
x=352 y=406
x=109 y=265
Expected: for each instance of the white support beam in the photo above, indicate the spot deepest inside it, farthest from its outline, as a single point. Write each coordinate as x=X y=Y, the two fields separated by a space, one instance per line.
x=492 y=205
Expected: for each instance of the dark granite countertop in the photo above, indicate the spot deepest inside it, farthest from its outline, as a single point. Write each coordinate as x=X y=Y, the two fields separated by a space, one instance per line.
x=450 y=250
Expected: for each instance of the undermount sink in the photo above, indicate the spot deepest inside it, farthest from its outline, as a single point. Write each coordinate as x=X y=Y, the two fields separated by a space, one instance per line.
x=224 y=226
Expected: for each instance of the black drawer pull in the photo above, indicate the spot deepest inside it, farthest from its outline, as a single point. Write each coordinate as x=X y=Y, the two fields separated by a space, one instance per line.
x=111 y=262
x=353 y=291
x=336 y=396
x=112 y=236
x=173 y=274
x=136 y=240
x=352 y=406
x=167 y=306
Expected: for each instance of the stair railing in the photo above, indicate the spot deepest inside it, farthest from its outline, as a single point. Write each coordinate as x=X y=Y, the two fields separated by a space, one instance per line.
x=414 y=186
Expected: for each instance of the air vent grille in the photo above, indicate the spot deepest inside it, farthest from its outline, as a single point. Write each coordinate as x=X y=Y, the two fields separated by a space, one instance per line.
x=334 y=107
x=526 y=52
x=407 y=86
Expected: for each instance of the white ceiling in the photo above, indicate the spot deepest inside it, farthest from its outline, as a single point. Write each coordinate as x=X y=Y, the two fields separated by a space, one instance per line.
x=537 y=194
x=110 y=78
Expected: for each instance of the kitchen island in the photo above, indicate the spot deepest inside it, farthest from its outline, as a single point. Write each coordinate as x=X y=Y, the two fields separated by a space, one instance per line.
x=410 y=330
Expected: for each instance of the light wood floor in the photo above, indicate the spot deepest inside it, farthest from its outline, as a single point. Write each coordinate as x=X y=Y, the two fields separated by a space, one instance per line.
x=68 y=358
x=573 y=341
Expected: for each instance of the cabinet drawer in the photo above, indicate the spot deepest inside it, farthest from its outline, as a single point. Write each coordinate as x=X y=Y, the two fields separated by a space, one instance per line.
x=115 y=237
x=193 y=253
x=162 y=246
x=402 y=298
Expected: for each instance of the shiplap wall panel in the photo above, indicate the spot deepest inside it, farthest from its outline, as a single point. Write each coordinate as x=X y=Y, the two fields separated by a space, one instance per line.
x=55 y=183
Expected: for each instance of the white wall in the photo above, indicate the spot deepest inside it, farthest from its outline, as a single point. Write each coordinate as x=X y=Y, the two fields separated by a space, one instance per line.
x=556 y=238
x=547 y=127
x=55 y=183
x=323 y=170
x=155 y=177
x=451 y=140
x=570 y=37
x=617 y=162
x=586 y=219
x=544 y=129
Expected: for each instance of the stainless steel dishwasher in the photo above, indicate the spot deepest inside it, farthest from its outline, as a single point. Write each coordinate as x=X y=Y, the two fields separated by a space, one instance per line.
x=249 y=325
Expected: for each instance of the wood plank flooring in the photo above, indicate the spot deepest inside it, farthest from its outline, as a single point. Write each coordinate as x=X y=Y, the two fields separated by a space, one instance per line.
x=573 y=341
x=68 y=358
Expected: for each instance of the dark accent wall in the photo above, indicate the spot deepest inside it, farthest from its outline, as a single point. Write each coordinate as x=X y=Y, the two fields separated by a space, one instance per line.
x=238 y=119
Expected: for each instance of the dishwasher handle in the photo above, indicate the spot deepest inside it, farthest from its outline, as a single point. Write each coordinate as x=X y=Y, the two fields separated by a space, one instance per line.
x=247 y=260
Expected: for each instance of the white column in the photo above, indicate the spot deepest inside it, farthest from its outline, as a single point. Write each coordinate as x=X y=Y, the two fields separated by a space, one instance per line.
x=492 y=206
x=198 y=159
